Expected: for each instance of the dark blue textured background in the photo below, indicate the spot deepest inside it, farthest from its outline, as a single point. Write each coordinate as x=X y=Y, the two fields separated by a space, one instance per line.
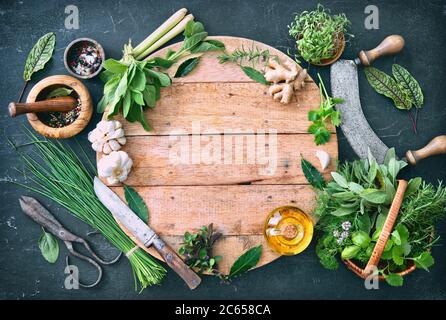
x=24 y=273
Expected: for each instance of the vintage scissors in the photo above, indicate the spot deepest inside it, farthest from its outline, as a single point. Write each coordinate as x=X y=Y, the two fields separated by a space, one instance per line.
x=43 y=217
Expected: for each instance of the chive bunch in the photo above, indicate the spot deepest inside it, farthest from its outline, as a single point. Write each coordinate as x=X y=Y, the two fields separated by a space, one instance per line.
x=60 y=175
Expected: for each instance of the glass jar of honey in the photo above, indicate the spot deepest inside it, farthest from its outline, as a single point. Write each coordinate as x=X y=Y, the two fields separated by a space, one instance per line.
x=288 y=230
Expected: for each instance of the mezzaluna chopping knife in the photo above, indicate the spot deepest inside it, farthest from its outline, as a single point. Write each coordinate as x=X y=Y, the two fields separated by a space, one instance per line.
x=344 y=85
x=143 y=233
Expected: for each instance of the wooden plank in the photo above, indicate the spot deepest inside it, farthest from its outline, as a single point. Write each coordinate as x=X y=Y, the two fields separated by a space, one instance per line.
x=237 y=211
x=223 y=160
x=226 y=106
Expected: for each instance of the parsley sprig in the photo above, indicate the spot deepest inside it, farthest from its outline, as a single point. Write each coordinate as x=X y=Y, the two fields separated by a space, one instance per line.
x=325 y=113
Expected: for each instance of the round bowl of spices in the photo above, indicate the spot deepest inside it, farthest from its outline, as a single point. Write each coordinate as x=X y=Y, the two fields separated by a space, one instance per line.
x=83 y=58
x=55 y=124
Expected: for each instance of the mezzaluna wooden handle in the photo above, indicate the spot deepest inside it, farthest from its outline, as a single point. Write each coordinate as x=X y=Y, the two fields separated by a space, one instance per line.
x=436 y=146
x=60 y=104
x=176 y=264
x=389 y=46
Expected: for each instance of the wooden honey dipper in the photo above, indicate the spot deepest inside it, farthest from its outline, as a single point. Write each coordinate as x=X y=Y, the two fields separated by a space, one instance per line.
x=59 y=104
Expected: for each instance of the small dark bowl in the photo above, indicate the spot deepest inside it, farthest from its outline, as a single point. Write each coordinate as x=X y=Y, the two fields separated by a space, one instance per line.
x=70 y=51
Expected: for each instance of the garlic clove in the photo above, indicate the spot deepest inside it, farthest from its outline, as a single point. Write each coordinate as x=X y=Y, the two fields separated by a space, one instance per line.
x=324 y=158
x=114 y=145
x=106 y=148
x=118 y=133
x=122 y=140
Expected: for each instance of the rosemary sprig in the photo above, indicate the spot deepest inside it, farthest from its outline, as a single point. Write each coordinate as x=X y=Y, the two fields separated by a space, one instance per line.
x=242 y=56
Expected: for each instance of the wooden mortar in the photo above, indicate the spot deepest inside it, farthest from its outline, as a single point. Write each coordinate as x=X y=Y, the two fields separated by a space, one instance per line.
x=84 y=115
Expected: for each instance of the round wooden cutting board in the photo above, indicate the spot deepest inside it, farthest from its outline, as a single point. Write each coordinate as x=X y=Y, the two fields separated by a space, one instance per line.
x=232 y=192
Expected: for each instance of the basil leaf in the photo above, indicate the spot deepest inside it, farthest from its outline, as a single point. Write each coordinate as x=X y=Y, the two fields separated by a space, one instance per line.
x=255 y=75
x=393 y=279
x=312 y=175
x=192 y=28
x=163 y=78
x=209 y=45
x=149 y=95
x=49 y=247
x=408 y=82
x=190 y=43
x=39 y=55
x=136 y=203
x=59 y=92
x=246 y=261
x=160 y=62
x=139 y=80
x=186 y=67
x=387 y=86
x=115 y=66
x=126 y=104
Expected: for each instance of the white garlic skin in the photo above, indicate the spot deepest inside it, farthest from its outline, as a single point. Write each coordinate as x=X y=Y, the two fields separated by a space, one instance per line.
x=115 y=167
x=324 y=159
x=108 y=136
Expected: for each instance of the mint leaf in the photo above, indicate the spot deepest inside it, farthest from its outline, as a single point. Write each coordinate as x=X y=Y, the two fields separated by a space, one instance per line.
x=393 y=279
x=424 y=261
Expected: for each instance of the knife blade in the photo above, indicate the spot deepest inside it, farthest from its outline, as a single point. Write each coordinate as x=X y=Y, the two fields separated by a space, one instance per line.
x=142 y=232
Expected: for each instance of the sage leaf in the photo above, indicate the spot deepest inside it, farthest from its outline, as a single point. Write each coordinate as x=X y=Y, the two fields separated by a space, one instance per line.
x=313 y=176
x=373 y=196
x=255 y=75
x=387 y=86
x=393 y=279
x=342 y=211
x=136 y=203
x=390 y=154
x=49 y=247
x=39 y=55
x=187 y=67
x=246 y=261
x=59 y=92
x=413 y=185
x=340 y=180
x=408 y=82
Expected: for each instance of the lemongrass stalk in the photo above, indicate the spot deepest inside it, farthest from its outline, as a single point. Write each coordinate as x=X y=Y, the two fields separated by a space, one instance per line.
x=179 y=28
x=160 y=31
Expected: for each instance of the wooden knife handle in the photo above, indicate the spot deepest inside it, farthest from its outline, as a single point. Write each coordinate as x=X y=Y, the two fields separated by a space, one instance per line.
x=176 y=264
x=389 y=46
x=436 y=146
x=60 y=104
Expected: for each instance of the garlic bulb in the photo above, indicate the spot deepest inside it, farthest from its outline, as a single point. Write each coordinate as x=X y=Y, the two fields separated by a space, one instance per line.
x=115 y=166
x=108 y=136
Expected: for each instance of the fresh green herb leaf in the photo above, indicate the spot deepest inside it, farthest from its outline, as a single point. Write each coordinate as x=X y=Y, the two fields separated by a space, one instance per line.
x=59 y=92
x=360 y=238
x=187 y=67
x=209 y=45
x=255 y=75
x=136 y=203
x=393 y=279
x=350 y=252
x=49 y=247
x=424 y=261
x=115 y=66
x=409 y=84
x=39 y=55
x=387 y=86
x=313 y=176
x=245 y=262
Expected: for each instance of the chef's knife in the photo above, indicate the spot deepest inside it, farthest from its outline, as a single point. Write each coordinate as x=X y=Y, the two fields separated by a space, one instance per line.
x=143 y=233
x=354 y=125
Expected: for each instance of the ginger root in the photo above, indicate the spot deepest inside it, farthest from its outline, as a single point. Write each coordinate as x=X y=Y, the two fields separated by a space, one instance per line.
x=287 y=77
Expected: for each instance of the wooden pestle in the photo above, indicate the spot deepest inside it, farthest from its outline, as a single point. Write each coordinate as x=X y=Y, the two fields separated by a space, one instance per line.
x=436 y=146
x=389 y=46
x=60 y=104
